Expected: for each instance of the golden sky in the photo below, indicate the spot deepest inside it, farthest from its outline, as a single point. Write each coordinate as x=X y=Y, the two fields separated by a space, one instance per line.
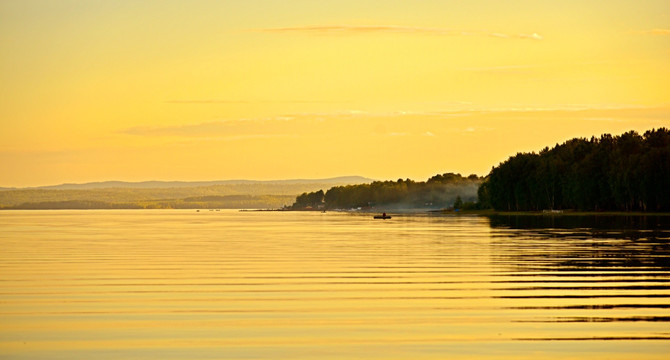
x=206 y=90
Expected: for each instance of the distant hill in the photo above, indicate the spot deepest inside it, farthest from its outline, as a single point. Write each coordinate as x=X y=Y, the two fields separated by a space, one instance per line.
x=226 y=194
x=182 y=184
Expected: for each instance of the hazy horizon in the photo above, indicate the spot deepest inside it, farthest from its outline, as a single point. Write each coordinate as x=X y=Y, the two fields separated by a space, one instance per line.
x=140 y=90
x=143 y=182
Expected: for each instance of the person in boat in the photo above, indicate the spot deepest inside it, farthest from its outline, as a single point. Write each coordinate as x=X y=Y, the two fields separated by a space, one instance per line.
x=384 y=215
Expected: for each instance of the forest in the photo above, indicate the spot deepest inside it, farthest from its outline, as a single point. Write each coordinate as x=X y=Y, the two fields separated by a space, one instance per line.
x=438 y=192
x=629 y=172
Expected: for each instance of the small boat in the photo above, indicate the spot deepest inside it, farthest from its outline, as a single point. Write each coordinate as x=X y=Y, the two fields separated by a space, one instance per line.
x=383 y=217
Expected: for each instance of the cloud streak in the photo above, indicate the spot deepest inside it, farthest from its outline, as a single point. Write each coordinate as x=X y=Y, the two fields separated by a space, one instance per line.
x=206 y=102
x=396 y=123
x=190 y=130
x=213 y=101
x=502 y=69
x=204 y=132
x=390 y=29
x=662 y=32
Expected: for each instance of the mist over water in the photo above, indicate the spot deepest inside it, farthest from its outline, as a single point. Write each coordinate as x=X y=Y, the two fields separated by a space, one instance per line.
x=440 y=197
x=229 y=285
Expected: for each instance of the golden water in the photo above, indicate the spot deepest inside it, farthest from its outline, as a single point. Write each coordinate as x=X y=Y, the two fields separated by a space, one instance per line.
x=182 y=284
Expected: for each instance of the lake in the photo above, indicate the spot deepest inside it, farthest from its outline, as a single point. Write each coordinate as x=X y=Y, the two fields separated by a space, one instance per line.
x=181 y=284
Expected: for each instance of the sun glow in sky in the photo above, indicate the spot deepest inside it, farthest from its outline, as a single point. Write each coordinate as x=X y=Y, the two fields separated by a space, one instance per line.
x=203 y=90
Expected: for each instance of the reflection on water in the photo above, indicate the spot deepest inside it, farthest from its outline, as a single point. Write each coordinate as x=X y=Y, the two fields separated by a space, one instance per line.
x=231 y=285
x=593 y=223
x=608 y=259
x=603 y=243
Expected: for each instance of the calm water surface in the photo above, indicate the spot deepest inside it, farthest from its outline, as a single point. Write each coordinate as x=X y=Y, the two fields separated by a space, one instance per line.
x=285 y=285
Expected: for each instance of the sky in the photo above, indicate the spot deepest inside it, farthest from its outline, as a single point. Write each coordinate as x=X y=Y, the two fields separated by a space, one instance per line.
x=140 y=90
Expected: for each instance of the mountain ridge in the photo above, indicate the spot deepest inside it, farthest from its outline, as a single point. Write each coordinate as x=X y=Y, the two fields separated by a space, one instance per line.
x=159 y=184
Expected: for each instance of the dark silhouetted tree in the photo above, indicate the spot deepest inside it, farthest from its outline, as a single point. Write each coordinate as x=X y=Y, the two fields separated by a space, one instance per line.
x=627 y=173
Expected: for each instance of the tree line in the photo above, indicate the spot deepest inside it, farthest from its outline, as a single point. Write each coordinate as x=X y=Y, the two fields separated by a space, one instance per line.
x=440 y=191
x=629 y=172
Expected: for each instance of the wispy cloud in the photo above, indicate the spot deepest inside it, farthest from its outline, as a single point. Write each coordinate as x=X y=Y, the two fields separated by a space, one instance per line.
x=533 y=36
x=206 y=102
x=463 y=119
x=230 y=129
x=501 y=69
x=391 y=29
x=203 y=129
x=253 y=136
x=213 y=101
x=472 y=129
x=656 y=32
x=603 y=119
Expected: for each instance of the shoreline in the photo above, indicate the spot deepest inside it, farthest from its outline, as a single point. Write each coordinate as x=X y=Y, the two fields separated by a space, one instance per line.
x=554 y=214
x=564 y=213
x=479 y=212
